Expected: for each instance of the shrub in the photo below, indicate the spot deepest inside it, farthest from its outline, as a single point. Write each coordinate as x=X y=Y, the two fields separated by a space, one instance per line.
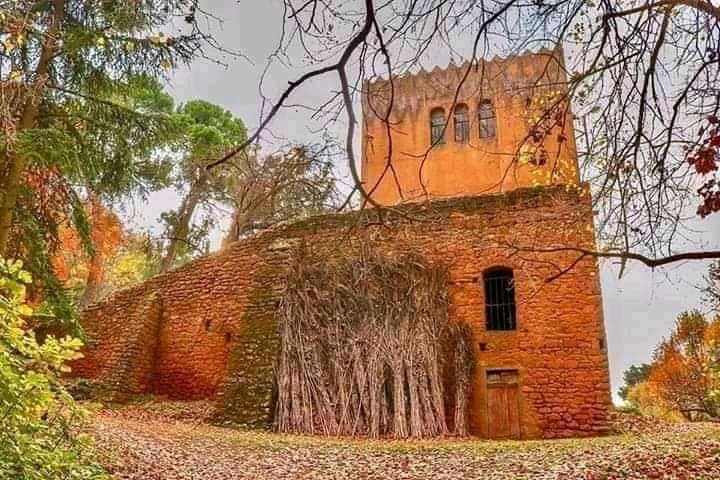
x=38 y=418
x=646 y=399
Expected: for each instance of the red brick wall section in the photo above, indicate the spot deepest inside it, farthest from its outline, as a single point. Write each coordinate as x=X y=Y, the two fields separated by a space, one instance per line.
x=123 y=335
x=217 y=327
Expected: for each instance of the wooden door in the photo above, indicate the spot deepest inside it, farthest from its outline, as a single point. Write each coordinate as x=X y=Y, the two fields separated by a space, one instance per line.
x=503 y=404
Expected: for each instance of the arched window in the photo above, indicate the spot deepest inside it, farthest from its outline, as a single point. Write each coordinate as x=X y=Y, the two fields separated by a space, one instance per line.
x=462 y=124
x=437 y=126
x=499 y=299
x=486 y=119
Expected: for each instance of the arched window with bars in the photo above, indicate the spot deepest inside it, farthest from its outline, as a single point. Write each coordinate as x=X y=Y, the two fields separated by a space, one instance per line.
x=461 y=120
x=486 y=119
x=437 y=126
x=499 y=299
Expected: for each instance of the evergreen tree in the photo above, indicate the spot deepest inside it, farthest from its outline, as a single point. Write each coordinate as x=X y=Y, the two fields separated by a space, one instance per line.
x=208 y=130
x=634 y=375
x=81 y=107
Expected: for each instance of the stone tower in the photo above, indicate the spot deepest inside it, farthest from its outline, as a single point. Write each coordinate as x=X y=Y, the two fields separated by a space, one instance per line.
x=507 y=125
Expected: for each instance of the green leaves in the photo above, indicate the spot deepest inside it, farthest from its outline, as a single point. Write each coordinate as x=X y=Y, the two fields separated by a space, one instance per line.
x=37 y=415
x=207 y=130
x=103 y=121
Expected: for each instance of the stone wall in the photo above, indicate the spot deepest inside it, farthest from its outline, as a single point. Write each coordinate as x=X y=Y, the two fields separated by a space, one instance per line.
x=208 y=329
x=520 y=89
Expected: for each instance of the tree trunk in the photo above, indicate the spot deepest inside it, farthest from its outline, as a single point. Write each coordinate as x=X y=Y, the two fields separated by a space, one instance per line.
x=96 y=267
x=239 y=223
x=28 y=118
x=244 y=218
x=11 y=190
x=179 y=232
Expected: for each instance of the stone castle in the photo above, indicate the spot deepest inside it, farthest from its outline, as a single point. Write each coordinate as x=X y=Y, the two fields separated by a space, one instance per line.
x=472 y=184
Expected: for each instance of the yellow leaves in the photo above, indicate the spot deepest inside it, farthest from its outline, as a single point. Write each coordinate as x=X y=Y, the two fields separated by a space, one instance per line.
x=100 y=42
x=8 y=45
x=15 y=76
x=527 y=153
x=646 y=397
x=128 y=268
x=13 y=41
x=159 y=40
x=712 y=334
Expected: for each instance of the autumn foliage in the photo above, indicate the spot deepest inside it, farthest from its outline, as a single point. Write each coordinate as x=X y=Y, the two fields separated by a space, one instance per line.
x=684 y=378
x=705 y=161
x=84 y=271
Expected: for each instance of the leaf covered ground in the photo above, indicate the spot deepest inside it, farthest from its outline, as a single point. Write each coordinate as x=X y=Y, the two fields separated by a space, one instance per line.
x=166 y=440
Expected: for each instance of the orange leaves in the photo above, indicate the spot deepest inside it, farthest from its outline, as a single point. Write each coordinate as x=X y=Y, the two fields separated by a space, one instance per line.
x=710 y=192
x=706 y=160
x=71 y=264
x=684 y=374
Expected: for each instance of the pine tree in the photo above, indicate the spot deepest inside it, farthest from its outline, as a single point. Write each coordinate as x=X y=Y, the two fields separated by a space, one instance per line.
x=81 y=110
x=207 y=131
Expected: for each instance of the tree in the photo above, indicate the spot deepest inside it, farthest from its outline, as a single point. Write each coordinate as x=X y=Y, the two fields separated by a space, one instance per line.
x=279 y=187
x=646 y=399
x=121 y=258
x=82 y=272
x=46 y=208
x=686 y=365
x=632 y=376
x=39 y=418
x=78 y=112
x=642 y=81
x=62 y=61
x=207 y=130
x=137 y=259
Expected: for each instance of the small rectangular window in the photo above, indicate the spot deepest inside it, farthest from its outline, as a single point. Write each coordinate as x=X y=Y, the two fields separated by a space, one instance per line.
x=503 y=376
x=486 y=119
x=437 y=126
x=487 y=127
x=437 y=134
x=462 y=124
x=500 y=300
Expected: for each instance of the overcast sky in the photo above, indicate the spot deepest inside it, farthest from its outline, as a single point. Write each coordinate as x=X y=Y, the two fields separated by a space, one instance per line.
x=639 y=309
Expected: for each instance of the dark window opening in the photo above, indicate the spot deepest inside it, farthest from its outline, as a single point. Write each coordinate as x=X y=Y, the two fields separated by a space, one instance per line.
x=228 y=337
x=437 y=126
x=207 y=324
x=500 y=299
x=486 y=119
x=462 y=124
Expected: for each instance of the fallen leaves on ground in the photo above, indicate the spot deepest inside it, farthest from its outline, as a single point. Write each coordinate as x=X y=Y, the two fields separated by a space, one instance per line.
x=170 y=440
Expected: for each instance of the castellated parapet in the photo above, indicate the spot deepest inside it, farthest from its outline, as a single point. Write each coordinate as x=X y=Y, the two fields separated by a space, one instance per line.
x=522 y=94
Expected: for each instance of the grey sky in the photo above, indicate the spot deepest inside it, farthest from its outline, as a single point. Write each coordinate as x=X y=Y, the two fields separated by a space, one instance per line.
x=639 y=309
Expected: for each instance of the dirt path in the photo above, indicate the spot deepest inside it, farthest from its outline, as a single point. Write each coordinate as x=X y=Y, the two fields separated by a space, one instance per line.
x=148 y=447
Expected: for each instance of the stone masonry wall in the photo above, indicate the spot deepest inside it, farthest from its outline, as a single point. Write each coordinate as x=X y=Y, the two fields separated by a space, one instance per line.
x=208 y=329
x=454 y=168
